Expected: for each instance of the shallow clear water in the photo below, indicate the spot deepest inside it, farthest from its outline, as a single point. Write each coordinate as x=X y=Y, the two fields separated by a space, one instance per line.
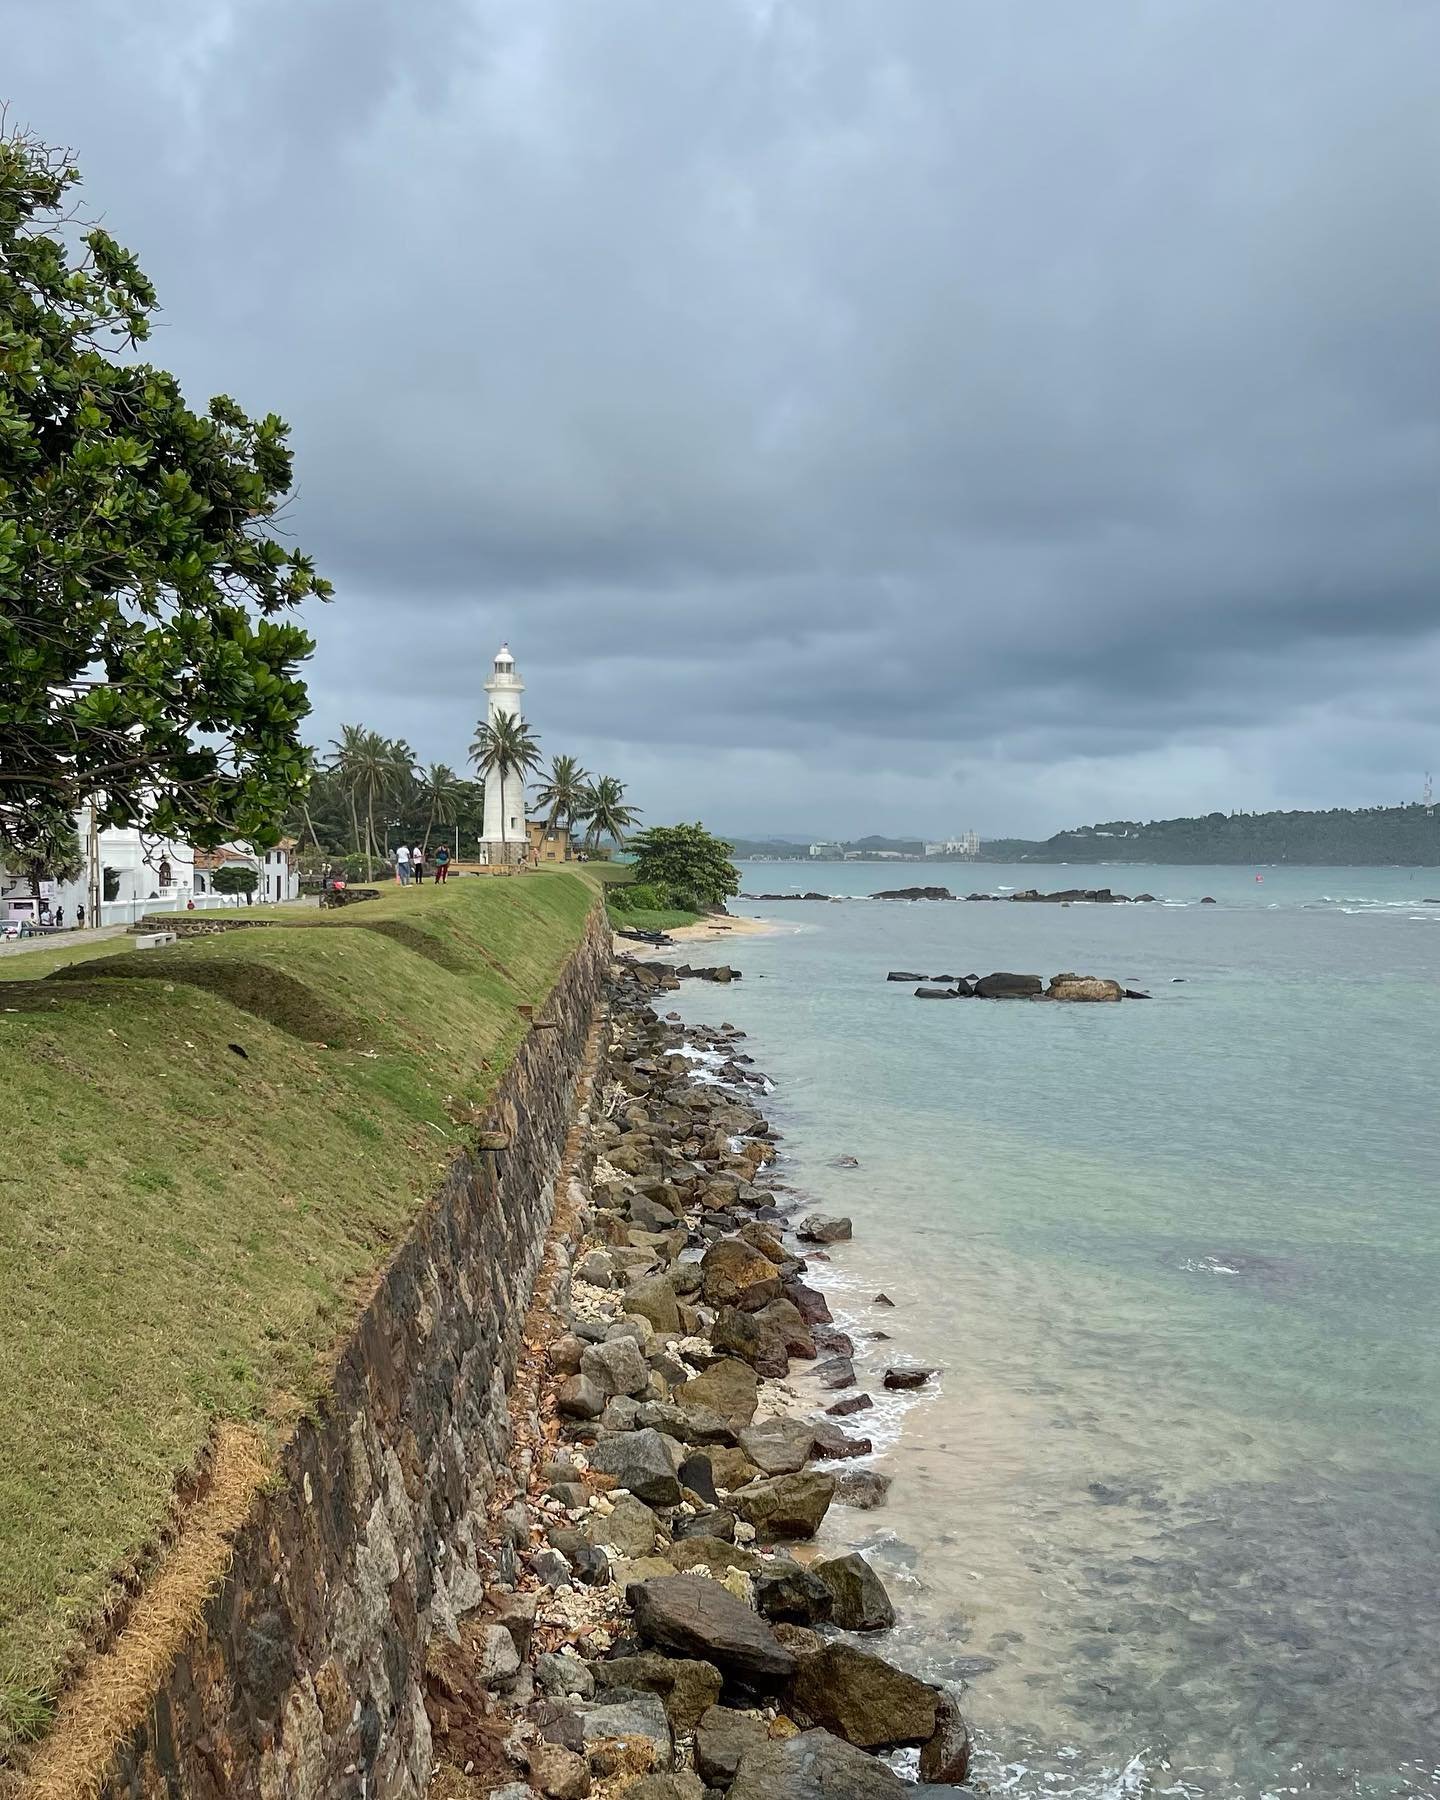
x=1173 y=1508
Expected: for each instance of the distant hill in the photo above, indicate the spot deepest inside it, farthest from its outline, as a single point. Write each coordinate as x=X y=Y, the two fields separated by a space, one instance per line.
x=1371 y=835
x=1408 y=835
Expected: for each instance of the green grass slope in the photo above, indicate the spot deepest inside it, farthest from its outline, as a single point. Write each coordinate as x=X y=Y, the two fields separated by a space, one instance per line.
x=208 y=1151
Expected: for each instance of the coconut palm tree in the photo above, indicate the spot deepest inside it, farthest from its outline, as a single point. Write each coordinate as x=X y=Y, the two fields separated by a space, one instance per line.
x=343 y=760
x=563 y=793
x=442 y=791
x=506 y=747
x=373 y=772
x=605 y=812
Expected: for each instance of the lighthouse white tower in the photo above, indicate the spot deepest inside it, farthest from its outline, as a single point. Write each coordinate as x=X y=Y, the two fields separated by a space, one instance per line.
x=504 y=801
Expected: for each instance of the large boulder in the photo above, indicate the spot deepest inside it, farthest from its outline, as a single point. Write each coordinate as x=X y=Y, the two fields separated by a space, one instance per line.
x=748 y=1336
x=785 y=1506
x=721 y=1739
x=714 y=1554
x=784 y=1316
x=863 y=1698
x=695 y=1425
x=831 y=1441
x=907 y=1375
x=652 y=1297
x=630 y=1714
x=838 y=1372
x=687 y=1687
x=813 y=1765
x=577 y=1397
x=1083 y=987
x=858 y=1601
x=629 y=1528
x=642 y=1461
x=809 y=1302
x=734 y=1273
x=1008 y=987
x=779 y=1446
x=616 y=1367
x=729 y=1387
x=787 y=1590
x=693 y=1616
x=731 y=1468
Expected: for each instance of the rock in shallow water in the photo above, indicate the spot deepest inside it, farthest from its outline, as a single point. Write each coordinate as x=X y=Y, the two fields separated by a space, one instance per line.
x=823 y=1228
x=907 y=1377
x=858 y=1601
x=864 y=1489
x=946 y=1756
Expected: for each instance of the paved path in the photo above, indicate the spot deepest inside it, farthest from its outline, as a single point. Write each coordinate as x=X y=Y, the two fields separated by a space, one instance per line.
x=62 y=940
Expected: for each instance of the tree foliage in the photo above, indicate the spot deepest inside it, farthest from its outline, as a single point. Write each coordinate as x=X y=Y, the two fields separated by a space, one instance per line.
x=235 y=878
x=145 y=653
x=686 y=862
x=48 y=850
x=505 y=746
x=605 y=812
x=562 y=794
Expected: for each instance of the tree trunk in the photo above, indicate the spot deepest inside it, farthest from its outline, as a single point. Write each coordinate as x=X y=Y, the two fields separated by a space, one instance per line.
x=504 y=849
x=370 y=836
x=354 y=822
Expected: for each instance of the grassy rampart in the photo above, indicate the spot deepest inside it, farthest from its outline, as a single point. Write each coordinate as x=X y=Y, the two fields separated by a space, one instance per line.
x=208 y=1152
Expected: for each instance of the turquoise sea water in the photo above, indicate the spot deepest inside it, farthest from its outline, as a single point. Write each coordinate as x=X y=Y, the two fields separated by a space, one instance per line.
x=1172 y=1509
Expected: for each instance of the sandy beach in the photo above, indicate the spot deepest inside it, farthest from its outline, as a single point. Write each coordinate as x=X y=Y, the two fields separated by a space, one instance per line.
x=703 y=931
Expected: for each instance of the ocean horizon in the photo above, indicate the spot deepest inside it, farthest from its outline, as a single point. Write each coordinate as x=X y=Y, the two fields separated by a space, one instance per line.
x=1170 y=1508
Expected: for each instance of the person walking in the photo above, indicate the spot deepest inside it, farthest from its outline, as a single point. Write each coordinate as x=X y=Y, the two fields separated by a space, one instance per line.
x=417 y=862
x=442 y=864
x=79 y=918
x=59 y=917
x=402 y=865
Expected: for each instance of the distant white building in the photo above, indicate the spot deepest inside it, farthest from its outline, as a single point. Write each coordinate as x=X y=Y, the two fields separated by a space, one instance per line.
x=277 y=878
x=135 y=873
x=967 y=844
x=828 y=851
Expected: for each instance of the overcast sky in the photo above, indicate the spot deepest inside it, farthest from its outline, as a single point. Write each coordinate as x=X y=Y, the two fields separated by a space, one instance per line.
x=858 y=415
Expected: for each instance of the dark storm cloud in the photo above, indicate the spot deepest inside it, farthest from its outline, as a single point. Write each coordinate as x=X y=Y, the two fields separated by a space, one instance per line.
x=857 y=413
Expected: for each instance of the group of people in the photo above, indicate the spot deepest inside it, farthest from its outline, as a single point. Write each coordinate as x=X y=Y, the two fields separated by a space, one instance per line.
x=410 y=864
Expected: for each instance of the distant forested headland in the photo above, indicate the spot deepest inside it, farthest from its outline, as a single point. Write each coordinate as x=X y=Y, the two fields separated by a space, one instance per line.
x=1373 y=834
x=1367 y=836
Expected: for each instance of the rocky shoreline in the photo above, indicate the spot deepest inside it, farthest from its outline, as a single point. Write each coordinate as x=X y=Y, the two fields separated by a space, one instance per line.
x=661 y=1623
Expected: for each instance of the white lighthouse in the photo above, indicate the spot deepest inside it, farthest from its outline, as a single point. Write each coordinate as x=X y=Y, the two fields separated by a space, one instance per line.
x=504 y=800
